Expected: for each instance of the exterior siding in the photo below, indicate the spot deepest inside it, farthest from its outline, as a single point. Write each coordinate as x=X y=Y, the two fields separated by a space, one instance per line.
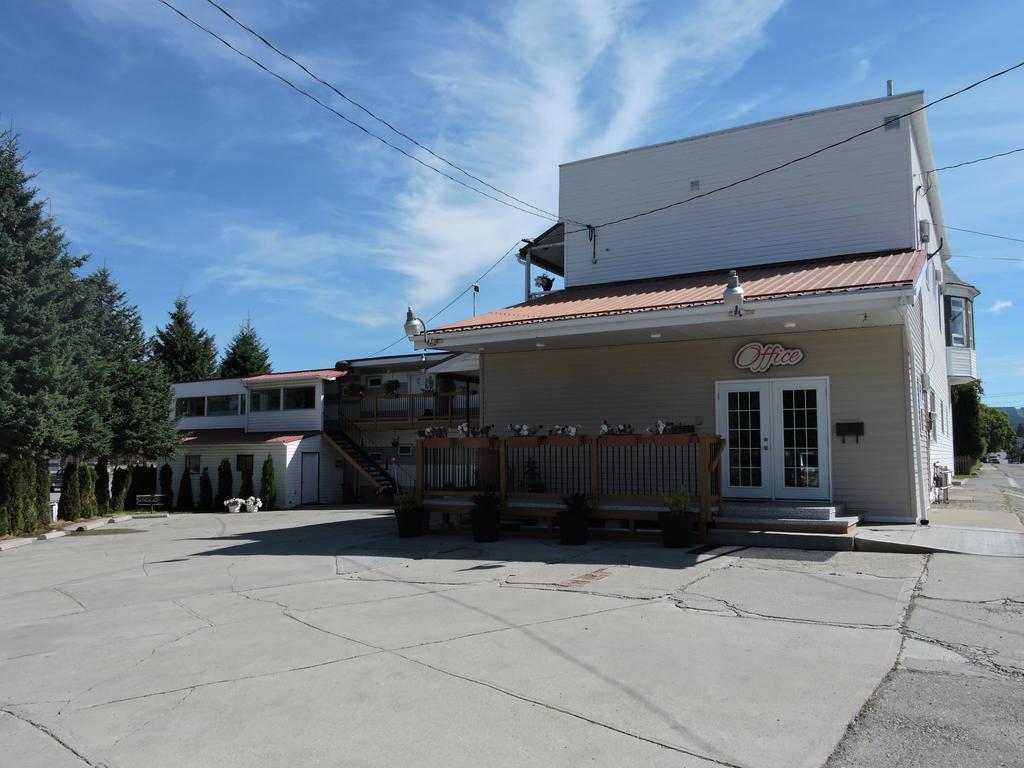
x=675 y=381
x=961 y=361
x=331 y=475
x=856 y=198
x=210 y=457
x=210 y=389
x=306 y=420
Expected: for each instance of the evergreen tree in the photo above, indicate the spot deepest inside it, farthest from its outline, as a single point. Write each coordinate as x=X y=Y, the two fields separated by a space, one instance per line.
x=103 y=486
x=245 y=488
x=166 y=480
x=1020 y=429
x=87 y=491
x=187 y=353
x=205 y=491
x=185 y=503
x=246 y=355
x=968 y=427
x=119 y=494
x=69 y=507
x=268 y=484
x=225 y=483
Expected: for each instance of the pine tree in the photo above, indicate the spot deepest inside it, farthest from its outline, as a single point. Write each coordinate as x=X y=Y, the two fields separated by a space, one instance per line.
x=166 y=480
x=103 y=486
x=122 y=482
x=205 y=491
x=245 y=488
x=187 y=353
x=185 y=503
x=268 y=484
x=246 y=355
x=224 y=483
x=69 y=507
x=87 y=491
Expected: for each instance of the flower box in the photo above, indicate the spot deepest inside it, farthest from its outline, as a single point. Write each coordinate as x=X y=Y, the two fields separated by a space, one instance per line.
x=673 y=439
x=525 y=441
x=620 y=441
x=438 y=442
x=565 y=441
x=478 y=442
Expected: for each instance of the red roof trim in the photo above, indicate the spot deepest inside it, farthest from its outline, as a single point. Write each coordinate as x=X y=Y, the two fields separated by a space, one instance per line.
x=233 y=436
x=319 y=373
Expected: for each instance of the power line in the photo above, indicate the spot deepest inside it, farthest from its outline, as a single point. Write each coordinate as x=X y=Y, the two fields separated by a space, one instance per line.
x=894 y=119
x=986 y=234
x=376 y=117
x=978 y=160
x=447 y=306
x=349 y=120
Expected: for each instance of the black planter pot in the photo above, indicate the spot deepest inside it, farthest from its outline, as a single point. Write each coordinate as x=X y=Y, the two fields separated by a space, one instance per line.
x=486 y=524
x=572 y=527
x=410 y=522
x=677 y=530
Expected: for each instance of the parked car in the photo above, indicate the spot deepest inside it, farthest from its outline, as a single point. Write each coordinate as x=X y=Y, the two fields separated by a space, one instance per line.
x=993 y=458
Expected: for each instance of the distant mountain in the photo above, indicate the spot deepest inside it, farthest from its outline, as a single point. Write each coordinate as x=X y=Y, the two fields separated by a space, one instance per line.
x=1016 y=414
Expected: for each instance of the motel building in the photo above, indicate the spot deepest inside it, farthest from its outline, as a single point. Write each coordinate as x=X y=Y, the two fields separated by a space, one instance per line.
x=799 y=332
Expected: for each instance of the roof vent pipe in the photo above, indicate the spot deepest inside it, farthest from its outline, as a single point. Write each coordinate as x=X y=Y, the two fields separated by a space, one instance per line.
x=888 y=87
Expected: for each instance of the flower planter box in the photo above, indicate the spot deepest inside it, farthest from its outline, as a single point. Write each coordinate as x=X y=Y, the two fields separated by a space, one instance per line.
x=620 y=441
x=565 y=441
x=673 y=439
x=524 y=441
x=478 y=442
x=438 y=442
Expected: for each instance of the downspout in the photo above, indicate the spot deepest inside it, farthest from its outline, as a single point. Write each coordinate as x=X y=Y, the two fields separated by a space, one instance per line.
x=912 y=416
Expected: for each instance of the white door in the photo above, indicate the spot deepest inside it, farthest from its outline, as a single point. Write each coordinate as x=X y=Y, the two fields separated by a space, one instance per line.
x=777 y=438
x=310 y=478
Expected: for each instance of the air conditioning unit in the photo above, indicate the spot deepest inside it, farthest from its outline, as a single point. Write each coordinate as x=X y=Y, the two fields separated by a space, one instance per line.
x=924 y=229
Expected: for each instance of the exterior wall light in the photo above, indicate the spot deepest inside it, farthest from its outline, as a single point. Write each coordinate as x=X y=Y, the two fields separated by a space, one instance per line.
x=733 y=295
x=655 y=335
x=413 y=325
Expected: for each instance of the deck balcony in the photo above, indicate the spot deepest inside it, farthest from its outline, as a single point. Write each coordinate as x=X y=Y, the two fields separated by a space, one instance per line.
x=411 y=411
x=627 y=477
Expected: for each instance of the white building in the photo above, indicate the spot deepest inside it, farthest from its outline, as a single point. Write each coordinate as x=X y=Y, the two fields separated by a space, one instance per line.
x=831 y=388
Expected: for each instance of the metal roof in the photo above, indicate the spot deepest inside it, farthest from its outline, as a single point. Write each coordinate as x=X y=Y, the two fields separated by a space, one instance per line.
x=843 y=274
x=234 y=436
x=324 y=373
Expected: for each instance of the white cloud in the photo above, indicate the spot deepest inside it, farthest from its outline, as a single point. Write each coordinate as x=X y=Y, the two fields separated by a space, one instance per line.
x=1000 y=306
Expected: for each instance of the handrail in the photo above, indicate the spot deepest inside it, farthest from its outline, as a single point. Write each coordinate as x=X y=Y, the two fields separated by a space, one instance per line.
x=355 y=431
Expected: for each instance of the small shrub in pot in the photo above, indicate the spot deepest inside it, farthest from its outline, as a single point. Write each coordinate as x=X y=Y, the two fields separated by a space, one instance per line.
x=408 y=515
x=485 y=517
x=574 y=519
x=677 y=520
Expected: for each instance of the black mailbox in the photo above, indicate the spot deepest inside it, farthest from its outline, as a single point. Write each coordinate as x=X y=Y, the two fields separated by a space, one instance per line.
x=845 y=429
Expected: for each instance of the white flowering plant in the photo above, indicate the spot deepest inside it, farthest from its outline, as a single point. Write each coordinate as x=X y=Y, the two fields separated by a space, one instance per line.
x=565 y=429
x=669 y=428
x=465 y=430
x=524 y=430
x=618 y=429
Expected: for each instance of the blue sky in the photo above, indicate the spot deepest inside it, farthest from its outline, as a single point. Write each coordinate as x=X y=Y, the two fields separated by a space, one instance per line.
x=186 y=170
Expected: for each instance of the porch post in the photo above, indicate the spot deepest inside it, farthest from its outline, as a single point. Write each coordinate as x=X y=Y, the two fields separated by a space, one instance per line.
x=595 y=477
x=419 y=471
x=704 y=462
x=503 y=470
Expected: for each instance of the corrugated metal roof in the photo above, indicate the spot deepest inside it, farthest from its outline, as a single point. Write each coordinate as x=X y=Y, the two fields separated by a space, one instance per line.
x=800 y=278
x=233 y=436
x=325 y=373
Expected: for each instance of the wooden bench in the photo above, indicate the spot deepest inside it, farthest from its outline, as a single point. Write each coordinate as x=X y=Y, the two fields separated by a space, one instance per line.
x=152 y=500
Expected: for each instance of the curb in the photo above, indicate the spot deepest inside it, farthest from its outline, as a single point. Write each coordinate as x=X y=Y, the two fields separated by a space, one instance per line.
x=50 y=535
x=153 y=516
x=119 y=518
x=12 y=543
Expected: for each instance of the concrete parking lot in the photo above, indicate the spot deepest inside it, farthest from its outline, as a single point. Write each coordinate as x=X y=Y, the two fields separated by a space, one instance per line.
x=316 y=637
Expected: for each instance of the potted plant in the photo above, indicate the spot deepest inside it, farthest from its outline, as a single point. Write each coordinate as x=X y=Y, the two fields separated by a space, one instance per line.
x=475 y=437
x=408 y=515
x=618 y=436
x=436 y=437
x=391 y=387
x=485 y=517
x=233 y=505
x=544 y=282
x=524 y=436
x=677 y=520
x=252 y=504
x=355 y=389
x=565 y=436
x=670 y=433
x=574 y=519
x=534 y=481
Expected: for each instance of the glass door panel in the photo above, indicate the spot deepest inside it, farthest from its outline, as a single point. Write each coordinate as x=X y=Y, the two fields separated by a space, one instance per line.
x=744 y=421
x=802 y=437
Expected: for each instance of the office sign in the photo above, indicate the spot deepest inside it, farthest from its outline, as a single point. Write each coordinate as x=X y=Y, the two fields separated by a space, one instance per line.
x=758 y=357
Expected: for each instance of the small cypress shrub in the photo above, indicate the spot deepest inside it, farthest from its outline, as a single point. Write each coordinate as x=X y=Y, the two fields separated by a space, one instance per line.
x=70 y=505
x=87 y=491
x=205 y=491
x=103 y=486
x=185 y=503
x=143 y=481
x=5 y=494
x=225 y=483
x=122 y=482
x=166 y=479
x=268 y=484
x=245 y=489
x=44 y=517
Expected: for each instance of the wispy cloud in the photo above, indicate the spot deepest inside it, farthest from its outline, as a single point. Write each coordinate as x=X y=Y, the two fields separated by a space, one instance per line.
x=1000 y=306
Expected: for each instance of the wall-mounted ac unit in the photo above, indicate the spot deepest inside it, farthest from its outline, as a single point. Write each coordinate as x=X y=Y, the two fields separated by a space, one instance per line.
x=924 y=229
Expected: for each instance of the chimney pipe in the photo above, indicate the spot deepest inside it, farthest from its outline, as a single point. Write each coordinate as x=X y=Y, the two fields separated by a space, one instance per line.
x=888 y=87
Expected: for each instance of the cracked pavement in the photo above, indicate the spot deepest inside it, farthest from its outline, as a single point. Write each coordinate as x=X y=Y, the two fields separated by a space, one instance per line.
x=318 y=637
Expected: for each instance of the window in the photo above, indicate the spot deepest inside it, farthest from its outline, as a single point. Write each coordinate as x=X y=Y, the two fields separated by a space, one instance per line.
x=192 y=465
x=959 y=322
x=241 y=404
x=265 y=400
x=243 y=462
x=405 y=450
x=374 y=381
x=222 y=405
x=186 y=407
x=298 y=398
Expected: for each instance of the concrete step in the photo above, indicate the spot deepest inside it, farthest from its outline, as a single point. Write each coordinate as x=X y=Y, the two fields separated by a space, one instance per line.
x=835 y=542
x=789 y=510
x=844 y=524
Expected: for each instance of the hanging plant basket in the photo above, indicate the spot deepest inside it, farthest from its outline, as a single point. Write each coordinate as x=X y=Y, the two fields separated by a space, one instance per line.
x=565 y=441
x=620 y=441
x=525 y=441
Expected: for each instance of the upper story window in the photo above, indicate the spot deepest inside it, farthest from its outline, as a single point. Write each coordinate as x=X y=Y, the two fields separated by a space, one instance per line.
x=223 y=405
x=959 y=322
x=265 y=400
x=189 y=406
x=299 y=398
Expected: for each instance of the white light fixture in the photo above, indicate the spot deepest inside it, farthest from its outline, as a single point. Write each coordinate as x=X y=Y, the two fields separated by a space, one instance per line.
x=540 y=345
x=655 y=335
x=733 y=295
x=790 y=324
x=413 y=325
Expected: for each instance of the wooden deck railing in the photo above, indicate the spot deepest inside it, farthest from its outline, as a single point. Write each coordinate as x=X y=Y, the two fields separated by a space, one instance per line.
x=627 y=477
x=412 y=411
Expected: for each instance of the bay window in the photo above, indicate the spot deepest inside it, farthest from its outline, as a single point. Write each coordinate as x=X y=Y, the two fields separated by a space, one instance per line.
x=959 y=322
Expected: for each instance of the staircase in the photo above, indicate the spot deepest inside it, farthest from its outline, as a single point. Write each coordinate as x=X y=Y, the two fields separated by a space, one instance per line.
x=796 y=517
x=354 y=454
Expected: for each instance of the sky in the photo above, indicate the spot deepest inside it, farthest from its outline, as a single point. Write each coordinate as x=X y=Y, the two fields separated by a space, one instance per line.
x=188 y=171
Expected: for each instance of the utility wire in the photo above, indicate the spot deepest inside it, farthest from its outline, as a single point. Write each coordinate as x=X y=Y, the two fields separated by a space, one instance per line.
x=447 y=306
x=986 y=234
x=978 y=160
x=376 y=117
x=894 y=119
x=349 y=120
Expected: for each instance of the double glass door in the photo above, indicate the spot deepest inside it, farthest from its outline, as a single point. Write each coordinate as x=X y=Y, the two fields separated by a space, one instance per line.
x=777 y=438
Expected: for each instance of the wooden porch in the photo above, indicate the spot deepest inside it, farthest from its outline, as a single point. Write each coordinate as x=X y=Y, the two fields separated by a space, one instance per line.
x=626 y=476
x=412 y=411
